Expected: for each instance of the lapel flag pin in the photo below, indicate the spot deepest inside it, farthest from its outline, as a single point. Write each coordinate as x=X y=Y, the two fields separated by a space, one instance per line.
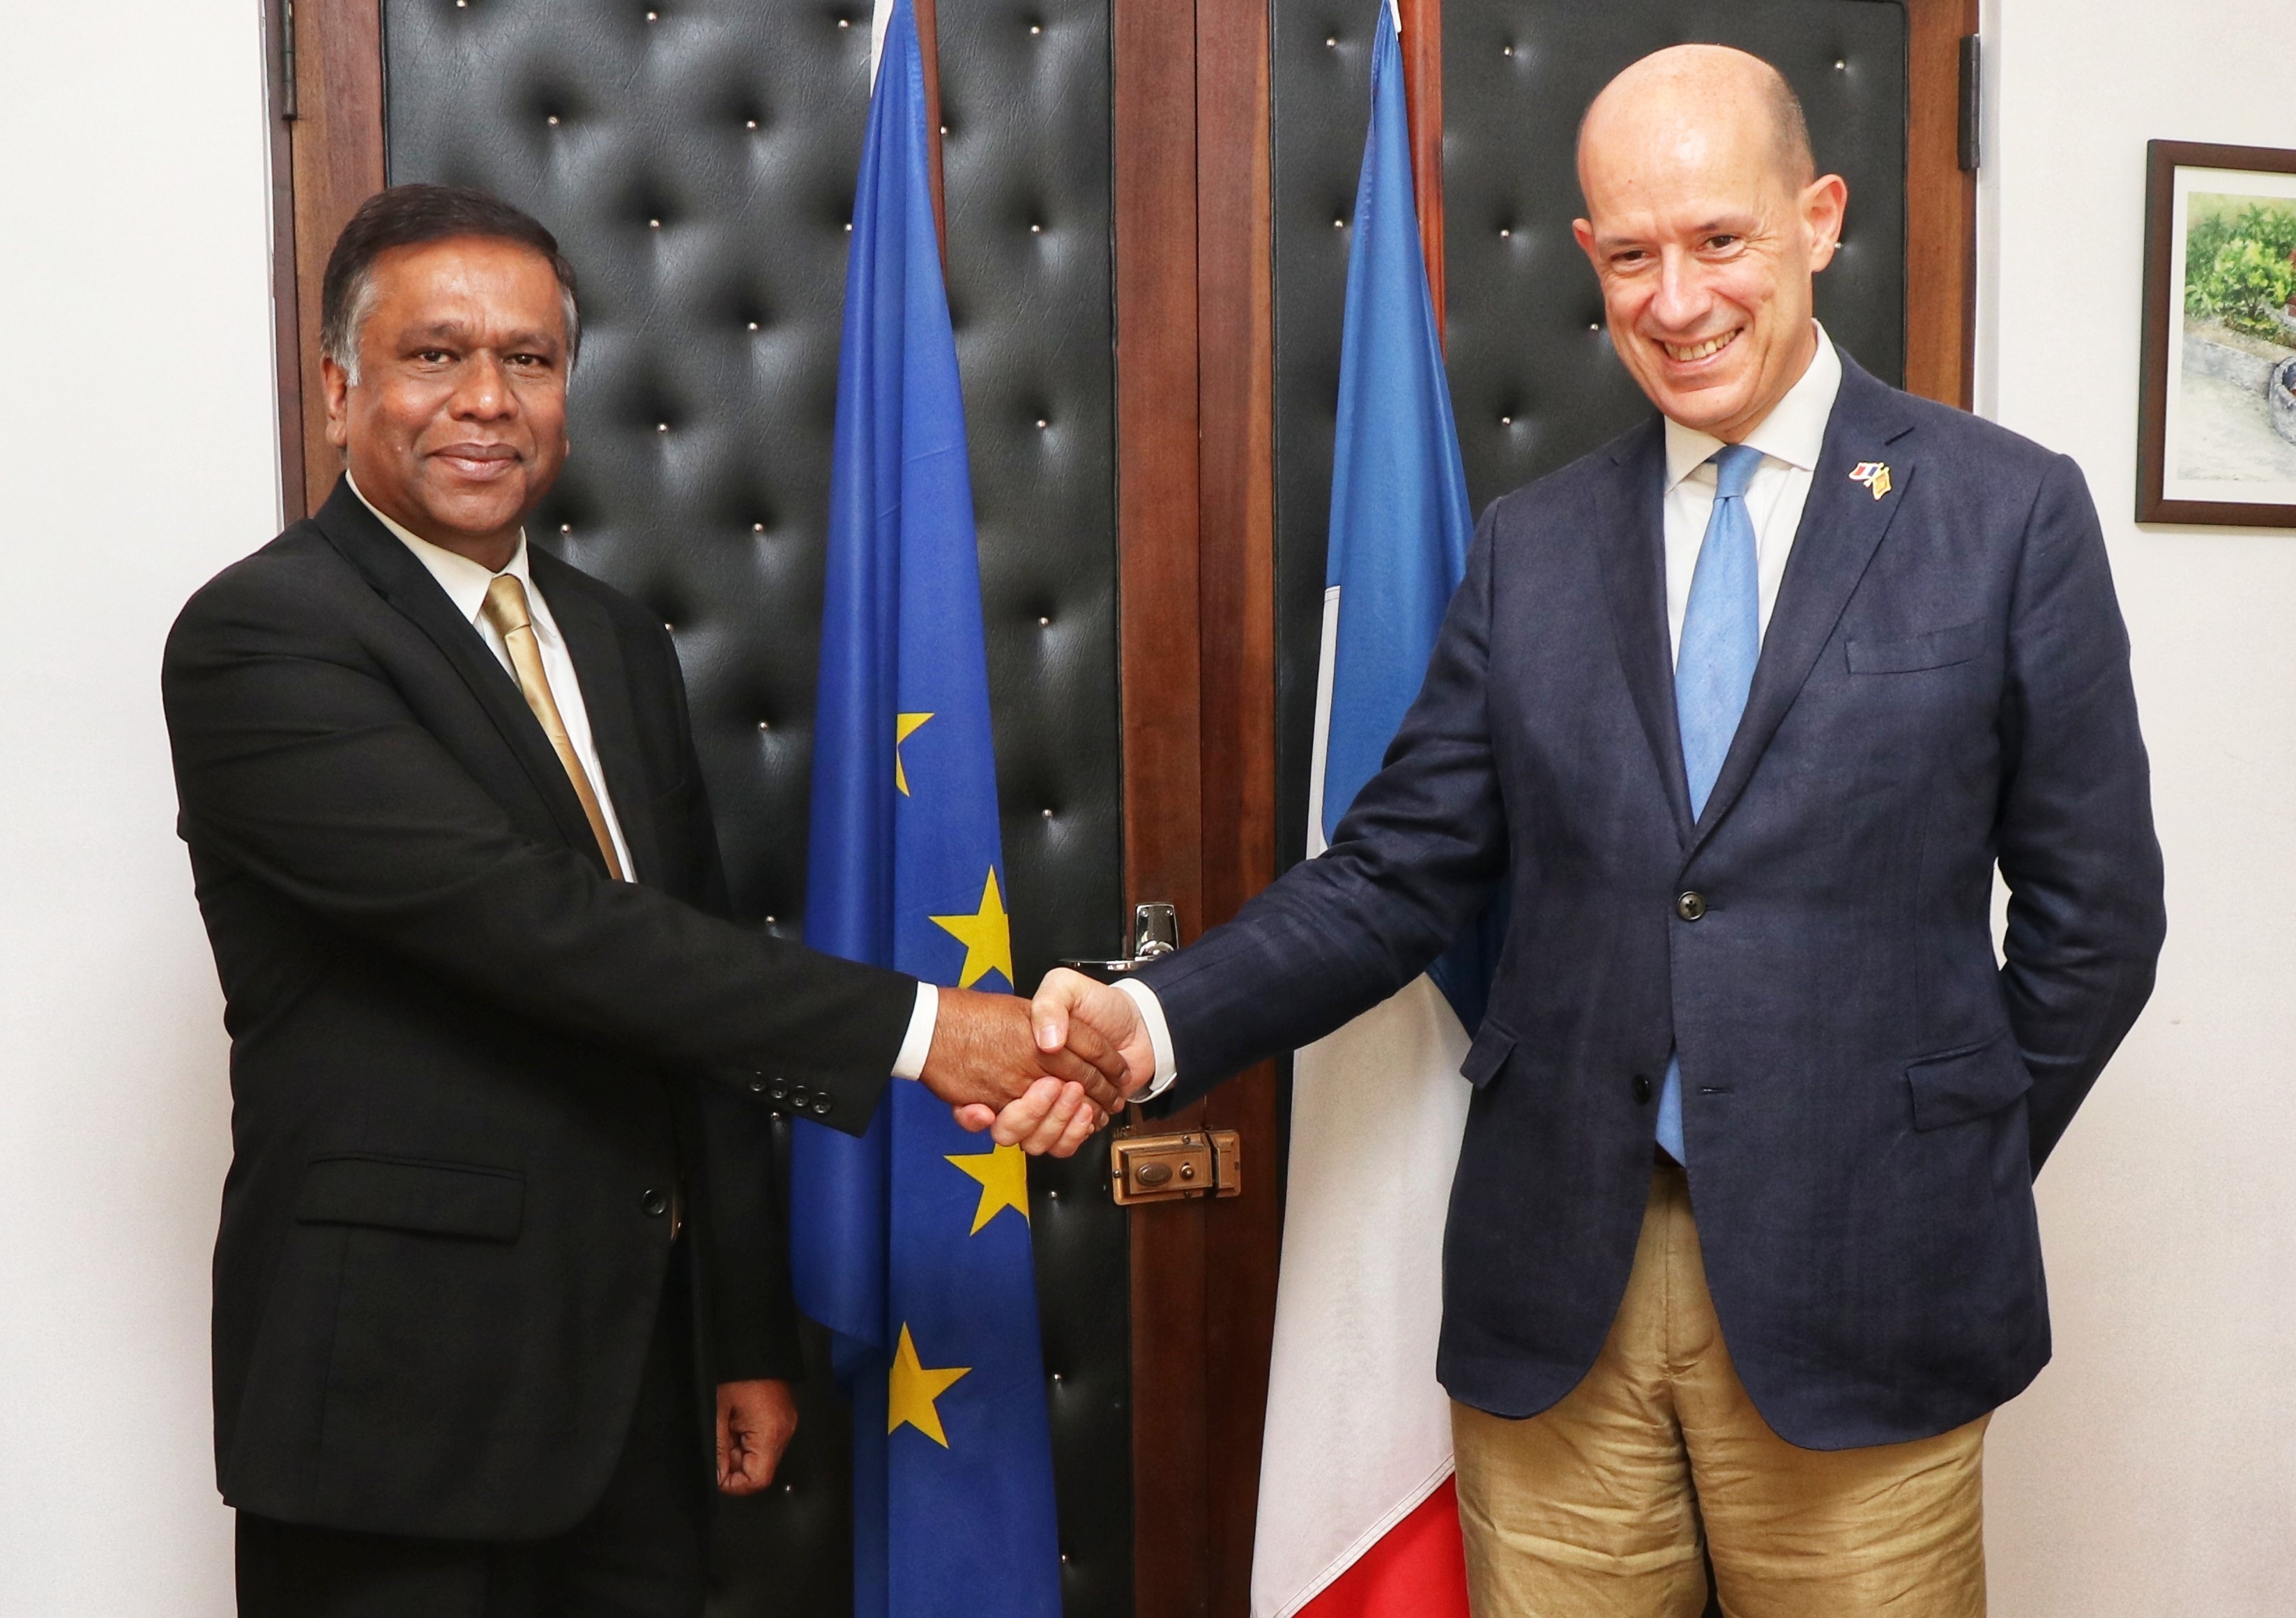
x=1874 y=474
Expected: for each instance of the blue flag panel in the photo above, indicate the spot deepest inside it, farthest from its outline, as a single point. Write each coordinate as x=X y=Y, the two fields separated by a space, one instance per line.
x=1400 y=521
x=912 y=1243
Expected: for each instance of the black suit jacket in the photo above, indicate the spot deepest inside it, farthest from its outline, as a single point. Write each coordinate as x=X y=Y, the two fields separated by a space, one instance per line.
x=464 y=1062
x=1867 y=1091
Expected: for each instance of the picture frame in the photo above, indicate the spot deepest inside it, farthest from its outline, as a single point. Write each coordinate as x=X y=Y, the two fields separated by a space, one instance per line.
x=2216 y=433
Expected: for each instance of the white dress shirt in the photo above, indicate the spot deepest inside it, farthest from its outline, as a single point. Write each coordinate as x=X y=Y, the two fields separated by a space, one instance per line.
x=1790 y=438
x=465 y=583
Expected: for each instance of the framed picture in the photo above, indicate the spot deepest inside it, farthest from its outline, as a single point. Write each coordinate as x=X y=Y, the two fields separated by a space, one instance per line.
x=2216 y=435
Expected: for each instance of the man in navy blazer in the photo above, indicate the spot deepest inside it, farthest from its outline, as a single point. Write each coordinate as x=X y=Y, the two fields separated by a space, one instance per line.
x=1747 y=779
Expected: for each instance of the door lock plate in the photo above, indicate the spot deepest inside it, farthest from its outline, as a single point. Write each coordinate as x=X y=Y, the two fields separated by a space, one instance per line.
x=1184 y=1167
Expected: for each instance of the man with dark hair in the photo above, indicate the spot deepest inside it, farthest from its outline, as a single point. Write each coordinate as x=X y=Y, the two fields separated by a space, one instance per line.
x=500 y=1069
x=1744 y=710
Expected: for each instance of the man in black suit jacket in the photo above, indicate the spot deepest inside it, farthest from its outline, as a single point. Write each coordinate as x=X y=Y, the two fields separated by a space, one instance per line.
x=1744 y=710
x=500 y=1067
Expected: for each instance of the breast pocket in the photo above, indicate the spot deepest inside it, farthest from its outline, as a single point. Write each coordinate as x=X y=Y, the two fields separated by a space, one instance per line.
x=1911 y=654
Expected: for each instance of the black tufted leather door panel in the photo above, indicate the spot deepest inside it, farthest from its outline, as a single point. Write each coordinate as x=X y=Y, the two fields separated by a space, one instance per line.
x=1534 y=383
x=696 y=160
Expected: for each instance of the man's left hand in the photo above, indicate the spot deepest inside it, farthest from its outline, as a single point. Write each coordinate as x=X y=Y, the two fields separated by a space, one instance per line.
x=756 y=1421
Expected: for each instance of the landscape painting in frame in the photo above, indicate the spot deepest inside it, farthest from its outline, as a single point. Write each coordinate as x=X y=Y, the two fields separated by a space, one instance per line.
x=2217 y=423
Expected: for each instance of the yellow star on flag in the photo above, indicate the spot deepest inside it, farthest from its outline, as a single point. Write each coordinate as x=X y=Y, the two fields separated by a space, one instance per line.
x=1002 y=1172
x=909 y=1396
x=987 y=936
x=904 y=725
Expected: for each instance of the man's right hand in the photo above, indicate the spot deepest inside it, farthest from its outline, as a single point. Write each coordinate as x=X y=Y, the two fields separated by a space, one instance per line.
x=1074 y=1013
x=986 y=1063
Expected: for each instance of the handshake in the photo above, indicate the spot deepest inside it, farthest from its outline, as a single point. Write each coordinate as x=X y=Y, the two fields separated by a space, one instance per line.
x=1044 y=1075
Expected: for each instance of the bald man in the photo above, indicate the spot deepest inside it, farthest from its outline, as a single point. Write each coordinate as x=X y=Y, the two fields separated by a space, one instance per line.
x=1744 y=710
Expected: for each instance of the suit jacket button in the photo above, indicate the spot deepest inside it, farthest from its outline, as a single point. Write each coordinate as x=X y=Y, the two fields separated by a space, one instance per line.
x=1690 y=906
x=757 y=1087
x=654 y=1204
x=822 y=1107
x=1642 y=1087
x=780 y=1092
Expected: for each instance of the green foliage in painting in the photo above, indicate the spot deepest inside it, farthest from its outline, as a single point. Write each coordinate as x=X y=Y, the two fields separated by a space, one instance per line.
x=2240 y=267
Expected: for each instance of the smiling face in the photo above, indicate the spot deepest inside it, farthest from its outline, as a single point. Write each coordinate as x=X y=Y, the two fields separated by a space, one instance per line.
x=456 y=426
x=1705 y=226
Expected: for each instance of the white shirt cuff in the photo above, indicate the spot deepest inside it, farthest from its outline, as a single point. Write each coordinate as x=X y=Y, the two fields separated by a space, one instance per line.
x=1159 y=1034
x=917 y=1043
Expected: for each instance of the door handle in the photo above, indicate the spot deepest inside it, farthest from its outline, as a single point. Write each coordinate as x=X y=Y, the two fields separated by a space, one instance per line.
x=1186 y=1165
x=1155 y=931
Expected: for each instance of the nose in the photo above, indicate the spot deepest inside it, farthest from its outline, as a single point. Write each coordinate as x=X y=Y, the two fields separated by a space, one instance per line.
x=1681 y=301
x=484 y=394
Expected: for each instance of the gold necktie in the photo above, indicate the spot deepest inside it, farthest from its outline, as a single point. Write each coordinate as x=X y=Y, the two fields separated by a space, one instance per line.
x=505 y=609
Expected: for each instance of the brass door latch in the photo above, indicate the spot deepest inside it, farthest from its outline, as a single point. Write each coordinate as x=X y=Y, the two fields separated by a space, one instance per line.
x=1174 y=1167
x=1182 y=1166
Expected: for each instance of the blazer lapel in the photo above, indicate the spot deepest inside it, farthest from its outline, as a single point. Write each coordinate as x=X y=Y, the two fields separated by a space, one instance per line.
x=1633 y=546
x=597 y=654
x=1841 y=527
x=403 y=580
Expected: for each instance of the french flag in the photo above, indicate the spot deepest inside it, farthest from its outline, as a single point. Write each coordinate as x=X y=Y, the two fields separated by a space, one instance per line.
x=1359 y=1517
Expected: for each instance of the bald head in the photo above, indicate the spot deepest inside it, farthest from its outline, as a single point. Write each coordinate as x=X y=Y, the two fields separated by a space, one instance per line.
x=1691 y=84
x=1705 y=221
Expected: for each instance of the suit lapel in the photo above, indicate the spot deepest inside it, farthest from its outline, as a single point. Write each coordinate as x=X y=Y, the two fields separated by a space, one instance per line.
x=1633 y=525
x=403 y=580
x=597 y=654
x=1841 y=526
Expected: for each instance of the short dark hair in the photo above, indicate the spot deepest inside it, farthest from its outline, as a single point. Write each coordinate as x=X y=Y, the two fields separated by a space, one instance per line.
x=409 y=216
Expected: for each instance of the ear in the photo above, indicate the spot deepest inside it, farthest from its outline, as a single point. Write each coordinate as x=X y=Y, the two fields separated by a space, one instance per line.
x=1825 y=203
x=1582 y=231
x=335 y=383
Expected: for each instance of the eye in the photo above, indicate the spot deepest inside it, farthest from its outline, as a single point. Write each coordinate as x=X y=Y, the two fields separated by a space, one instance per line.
x=434 y=357
x=1722 y=243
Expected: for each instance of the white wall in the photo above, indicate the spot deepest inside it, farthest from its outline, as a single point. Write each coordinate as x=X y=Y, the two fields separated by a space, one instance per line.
x=136 y=456
x=2151 y=1471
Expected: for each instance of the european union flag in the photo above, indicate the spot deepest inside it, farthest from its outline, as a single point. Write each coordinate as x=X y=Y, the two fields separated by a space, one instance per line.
x=912 y=1243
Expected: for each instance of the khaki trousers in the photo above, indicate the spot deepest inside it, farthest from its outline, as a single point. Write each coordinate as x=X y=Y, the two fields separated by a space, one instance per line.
x=1597 y=1508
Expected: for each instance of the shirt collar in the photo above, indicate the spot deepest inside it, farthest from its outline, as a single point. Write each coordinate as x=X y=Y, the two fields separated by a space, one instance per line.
x=463 y=580
x=1793 y=432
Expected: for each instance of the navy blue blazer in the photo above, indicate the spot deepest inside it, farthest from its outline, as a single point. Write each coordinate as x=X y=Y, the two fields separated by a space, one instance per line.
x=1867 y=1092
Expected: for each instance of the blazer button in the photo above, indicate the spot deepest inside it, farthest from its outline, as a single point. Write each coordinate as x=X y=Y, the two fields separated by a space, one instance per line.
x=822 y=1107
x=1642 y=1089
x=780 y=1092
x=757 y=1087
x=1690 y=906
x=653 y=1202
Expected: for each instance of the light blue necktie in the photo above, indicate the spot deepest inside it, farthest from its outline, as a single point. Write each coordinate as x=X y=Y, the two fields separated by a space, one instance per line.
x=1721 y=638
